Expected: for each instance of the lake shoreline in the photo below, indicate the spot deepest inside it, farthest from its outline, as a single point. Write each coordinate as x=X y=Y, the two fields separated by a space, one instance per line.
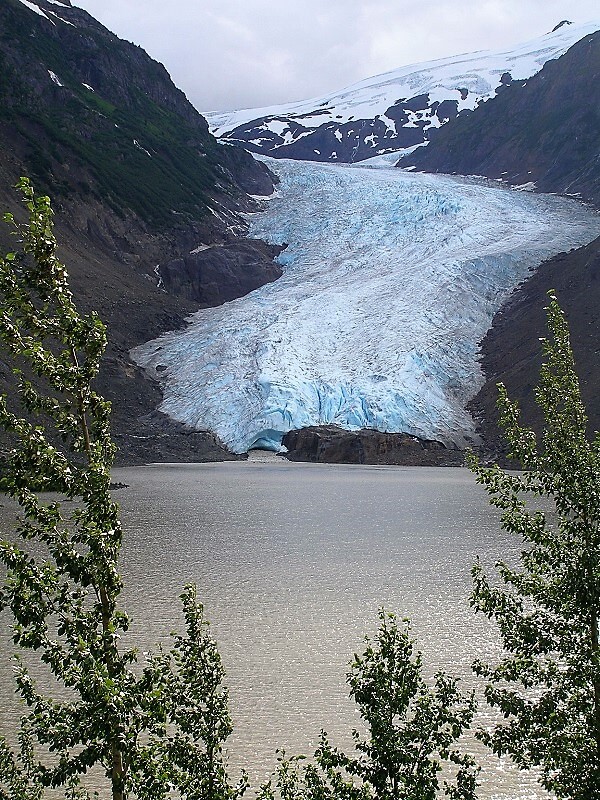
x=323 y=444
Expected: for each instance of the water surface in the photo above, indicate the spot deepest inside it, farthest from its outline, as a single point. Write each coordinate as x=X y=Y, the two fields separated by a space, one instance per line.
x=292 y=562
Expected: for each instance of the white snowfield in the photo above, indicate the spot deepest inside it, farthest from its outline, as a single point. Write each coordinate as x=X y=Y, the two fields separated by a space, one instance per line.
x=469 y=79
x=390 y=281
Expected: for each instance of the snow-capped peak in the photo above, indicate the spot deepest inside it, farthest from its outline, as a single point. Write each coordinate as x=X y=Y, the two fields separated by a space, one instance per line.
x=393 y=111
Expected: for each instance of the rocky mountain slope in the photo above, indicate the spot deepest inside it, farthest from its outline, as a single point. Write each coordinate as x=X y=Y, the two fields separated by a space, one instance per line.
x=511 y=351
x=394 y=111
x=148 y=205
x=544 y=133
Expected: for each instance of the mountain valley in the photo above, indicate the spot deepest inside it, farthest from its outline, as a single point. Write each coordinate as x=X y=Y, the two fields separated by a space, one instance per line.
x=355 y=296
x=390 y=281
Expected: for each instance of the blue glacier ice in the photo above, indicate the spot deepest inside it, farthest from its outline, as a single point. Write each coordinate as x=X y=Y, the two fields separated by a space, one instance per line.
x=390 y=281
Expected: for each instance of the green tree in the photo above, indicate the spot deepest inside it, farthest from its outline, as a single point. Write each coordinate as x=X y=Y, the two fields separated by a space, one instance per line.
x=195 y=704
x=546 y=607
x=197 y=710
x=133 y=720
x=411 y=730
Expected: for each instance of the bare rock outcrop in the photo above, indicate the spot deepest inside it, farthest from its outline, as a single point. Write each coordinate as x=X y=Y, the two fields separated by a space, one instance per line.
x=332 y=445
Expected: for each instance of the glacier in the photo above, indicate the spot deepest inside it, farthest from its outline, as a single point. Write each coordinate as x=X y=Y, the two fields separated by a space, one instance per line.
x=391 y=279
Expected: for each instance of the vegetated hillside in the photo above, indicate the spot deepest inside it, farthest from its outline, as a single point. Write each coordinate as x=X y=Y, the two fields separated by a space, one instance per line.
x=389 y=112
x=93 y=114
x=139 y=187
x=545 y=132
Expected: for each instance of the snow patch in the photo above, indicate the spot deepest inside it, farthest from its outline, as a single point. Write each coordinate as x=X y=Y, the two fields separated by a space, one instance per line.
x=143 y=149
x=54 y=78
x=293 y=137
x=159 y=278
x=261 y=197
x=389 y=124
x=66 y=21
x=276 y=126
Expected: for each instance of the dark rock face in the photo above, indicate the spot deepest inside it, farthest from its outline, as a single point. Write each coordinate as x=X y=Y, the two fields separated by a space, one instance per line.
x=346 y=142
x=249 y=175
x=137 y=182
x=545 y=130
x=220 y=273
x=332 y=445
x=511 y=350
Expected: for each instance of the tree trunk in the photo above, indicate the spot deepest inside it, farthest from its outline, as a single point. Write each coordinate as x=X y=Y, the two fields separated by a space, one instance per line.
x=117 y=772
x=596 y=677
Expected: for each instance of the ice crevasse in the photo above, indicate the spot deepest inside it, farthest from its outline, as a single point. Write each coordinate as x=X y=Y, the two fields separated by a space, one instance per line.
x=391 y=279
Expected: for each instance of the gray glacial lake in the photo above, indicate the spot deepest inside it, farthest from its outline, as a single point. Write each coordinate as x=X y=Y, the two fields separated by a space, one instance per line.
x=292 y=562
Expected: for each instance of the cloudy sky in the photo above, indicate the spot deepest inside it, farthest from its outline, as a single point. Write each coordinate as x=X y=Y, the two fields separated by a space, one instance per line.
x=229 y=54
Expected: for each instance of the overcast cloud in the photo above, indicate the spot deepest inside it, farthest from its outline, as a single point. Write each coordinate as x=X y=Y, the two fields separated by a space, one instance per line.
x=228 y=54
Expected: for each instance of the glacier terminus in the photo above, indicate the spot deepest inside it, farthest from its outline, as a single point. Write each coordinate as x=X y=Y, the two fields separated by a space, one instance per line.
x=391 y=279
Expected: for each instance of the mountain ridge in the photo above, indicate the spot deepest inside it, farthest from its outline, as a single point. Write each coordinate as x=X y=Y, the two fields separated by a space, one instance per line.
x=393 y=111
x=544 y=133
